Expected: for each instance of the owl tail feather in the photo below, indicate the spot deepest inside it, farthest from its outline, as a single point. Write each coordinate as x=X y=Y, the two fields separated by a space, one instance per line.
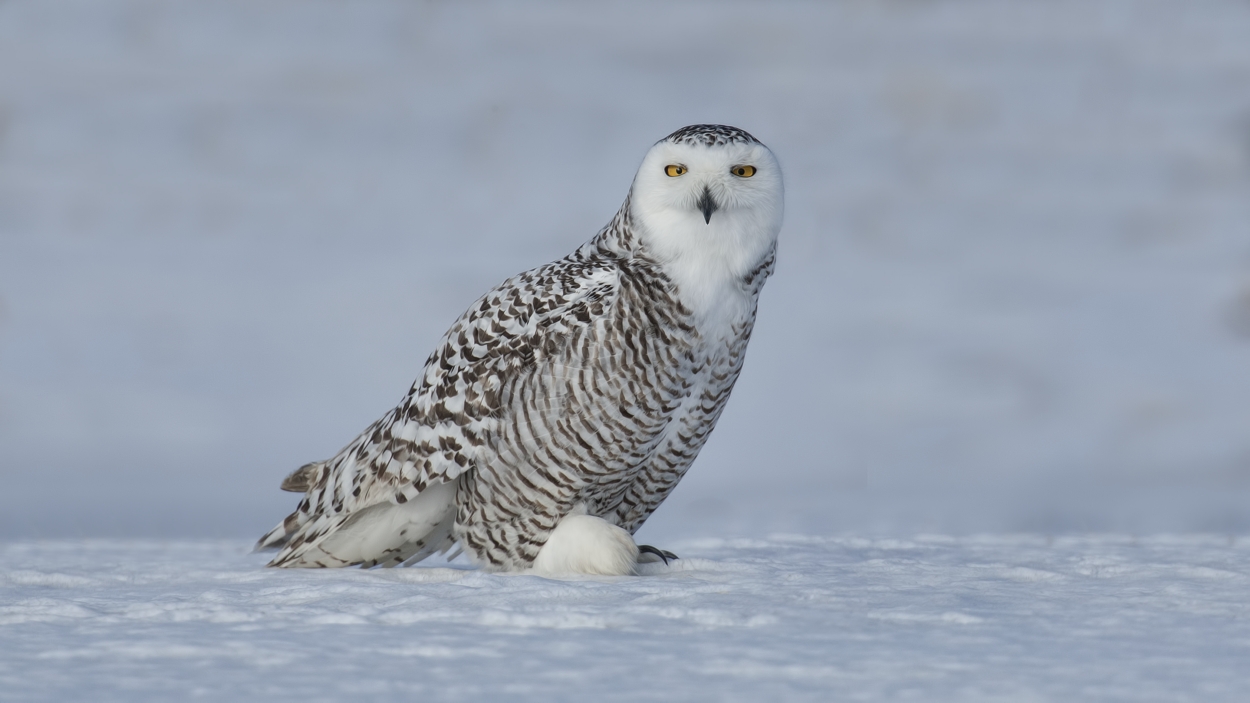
x=299 y=481
x=382 y=534
x=278 y=536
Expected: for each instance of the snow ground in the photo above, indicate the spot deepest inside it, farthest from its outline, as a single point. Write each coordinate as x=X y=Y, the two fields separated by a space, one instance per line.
x=933 y=618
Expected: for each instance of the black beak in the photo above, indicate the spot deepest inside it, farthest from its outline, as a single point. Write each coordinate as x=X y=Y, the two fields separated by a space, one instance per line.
x=707 y=204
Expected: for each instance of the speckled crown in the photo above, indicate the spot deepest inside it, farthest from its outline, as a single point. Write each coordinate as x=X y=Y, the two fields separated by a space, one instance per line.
x=710 y=135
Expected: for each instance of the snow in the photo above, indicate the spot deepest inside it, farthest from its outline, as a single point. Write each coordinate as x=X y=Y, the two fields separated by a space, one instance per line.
x=930 y=618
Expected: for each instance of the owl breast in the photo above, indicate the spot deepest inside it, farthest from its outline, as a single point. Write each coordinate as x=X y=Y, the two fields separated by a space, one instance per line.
x=609 y=418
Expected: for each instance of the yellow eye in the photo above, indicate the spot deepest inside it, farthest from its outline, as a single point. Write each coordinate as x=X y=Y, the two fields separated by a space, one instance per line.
x=673 y=170
x=743 y=171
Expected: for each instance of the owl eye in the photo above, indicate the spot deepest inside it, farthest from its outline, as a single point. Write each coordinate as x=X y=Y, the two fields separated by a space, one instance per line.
x=743 y=171
x=673 y=170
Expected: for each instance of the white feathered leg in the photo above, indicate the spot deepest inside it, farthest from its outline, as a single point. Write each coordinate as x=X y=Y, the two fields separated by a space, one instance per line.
x=584 y=544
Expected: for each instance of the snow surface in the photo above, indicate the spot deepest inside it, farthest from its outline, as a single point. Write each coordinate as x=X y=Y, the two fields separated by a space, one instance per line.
x=933 y=618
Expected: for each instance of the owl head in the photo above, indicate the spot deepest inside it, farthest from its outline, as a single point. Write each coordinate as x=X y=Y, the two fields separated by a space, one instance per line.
x=708 y=189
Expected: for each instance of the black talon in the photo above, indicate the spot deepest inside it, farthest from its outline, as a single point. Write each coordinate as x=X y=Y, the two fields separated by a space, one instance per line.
x=663 y=554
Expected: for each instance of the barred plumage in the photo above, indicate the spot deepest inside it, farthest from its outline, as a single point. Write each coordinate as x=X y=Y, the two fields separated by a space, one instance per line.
x=585 y=387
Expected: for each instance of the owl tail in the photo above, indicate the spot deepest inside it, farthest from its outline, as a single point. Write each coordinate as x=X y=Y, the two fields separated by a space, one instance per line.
x=277 y=537
x=382 y=534
x=299 y=481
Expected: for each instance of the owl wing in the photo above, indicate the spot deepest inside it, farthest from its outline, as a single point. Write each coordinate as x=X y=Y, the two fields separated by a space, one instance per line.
x=438 y=430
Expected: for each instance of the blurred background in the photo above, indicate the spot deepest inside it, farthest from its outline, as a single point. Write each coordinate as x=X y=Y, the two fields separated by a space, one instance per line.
x=1013 y=290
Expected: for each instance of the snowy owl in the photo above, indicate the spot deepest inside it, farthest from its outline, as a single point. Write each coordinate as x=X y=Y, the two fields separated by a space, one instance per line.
x=562 y=408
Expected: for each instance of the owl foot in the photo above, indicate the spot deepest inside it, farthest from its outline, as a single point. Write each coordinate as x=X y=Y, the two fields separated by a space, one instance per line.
x=584 y=544
x=653 y=554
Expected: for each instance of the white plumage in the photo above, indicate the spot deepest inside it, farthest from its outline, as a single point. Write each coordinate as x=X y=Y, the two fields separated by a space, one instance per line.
x=562 y=408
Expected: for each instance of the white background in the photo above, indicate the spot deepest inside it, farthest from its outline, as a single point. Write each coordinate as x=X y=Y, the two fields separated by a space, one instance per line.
x=1013 y=291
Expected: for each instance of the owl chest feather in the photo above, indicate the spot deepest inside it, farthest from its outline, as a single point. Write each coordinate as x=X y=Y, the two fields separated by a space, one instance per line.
x=613 y=416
